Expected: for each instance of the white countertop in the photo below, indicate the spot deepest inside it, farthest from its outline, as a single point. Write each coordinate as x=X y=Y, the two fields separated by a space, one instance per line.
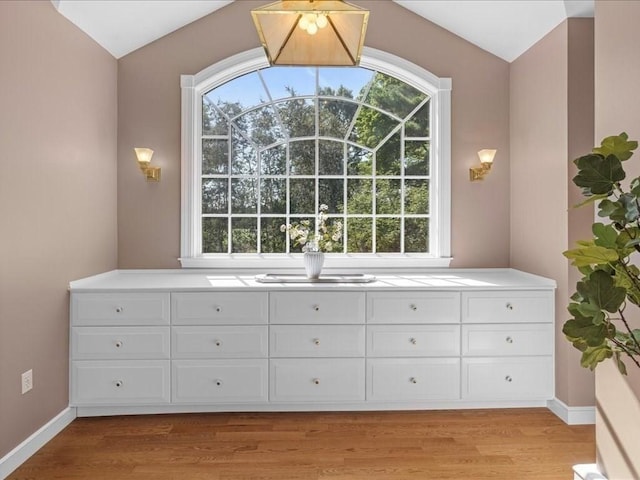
x=206 y=280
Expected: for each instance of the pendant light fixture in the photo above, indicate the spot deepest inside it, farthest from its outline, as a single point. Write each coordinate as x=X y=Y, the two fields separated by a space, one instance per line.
x=311 y=32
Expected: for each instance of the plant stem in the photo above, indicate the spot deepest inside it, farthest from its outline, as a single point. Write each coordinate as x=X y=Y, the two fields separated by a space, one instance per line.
x=633 y=337
x=625 y=349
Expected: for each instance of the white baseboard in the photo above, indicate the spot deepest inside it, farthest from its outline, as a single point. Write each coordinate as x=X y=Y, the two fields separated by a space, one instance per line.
x=572 y=415
x=587 y=471
x=36 y=441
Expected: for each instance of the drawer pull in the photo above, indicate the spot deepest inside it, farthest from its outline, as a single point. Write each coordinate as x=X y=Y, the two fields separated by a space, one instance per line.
x=413 y=341
x=413 y=380
x=316 y=341
x=413 y=307
x=119 y=383
x=316 y=381
x=218 y=309
x=218 y=382
x=218 y=343
x=119 y=309
x=509 y=306
x=509 y=340
x=508 y=378
x=119 y=344
x=316 y=308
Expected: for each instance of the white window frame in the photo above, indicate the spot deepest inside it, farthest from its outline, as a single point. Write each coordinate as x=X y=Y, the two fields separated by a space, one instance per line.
x=439 y=89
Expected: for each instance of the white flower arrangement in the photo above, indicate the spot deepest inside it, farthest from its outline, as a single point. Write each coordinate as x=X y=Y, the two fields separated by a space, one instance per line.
x=324 y=241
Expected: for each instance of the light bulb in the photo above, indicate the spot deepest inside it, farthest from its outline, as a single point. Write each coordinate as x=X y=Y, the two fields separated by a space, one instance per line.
x=312 y=29
x=304 y=22
x=322 y=21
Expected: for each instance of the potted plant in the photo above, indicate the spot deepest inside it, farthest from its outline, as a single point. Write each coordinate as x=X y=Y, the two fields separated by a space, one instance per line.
x=600 y=326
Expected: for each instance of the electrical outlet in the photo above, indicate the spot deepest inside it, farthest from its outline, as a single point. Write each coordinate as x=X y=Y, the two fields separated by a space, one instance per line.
x=27 y=381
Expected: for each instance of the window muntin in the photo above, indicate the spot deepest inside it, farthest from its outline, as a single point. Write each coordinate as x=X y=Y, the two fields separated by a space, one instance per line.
x=303 y=137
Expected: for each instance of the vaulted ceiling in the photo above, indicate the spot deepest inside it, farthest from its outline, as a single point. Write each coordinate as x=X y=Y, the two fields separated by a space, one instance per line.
x=506 y=28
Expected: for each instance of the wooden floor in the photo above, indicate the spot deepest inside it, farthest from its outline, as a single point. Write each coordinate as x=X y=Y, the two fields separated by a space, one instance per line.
x=517 y=444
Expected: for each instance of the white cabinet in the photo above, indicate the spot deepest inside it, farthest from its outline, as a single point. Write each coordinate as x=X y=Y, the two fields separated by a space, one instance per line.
x=165 y=342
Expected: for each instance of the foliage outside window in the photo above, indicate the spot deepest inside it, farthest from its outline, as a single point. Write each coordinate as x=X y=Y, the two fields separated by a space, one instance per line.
x=279 y=142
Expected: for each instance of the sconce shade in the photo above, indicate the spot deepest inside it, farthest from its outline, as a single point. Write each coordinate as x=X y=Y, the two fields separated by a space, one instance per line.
x=311 y=32
x=486 y=155
x=144 y=154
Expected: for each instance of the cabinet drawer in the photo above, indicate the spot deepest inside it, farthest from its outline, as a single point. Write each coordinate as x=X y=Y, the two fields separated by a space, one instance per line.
x=220 y=342
x=120 y=343
x=507 y=307
x=317 y=307
x=228 y=308
x=511 y=378
x=117 y=382
x=105 y=309
x=317 y=341
x=414 y=307
x=220 y=381
x=413 y=340
x=508 y=339
x=399 y=380
x=317 y=380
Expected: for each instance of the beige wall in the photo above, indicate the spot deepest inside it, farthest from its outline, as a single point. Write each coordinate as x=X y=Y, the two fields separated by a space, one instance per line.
x=57 y=200
x=551 y=122
x=149 y=115
x=618 y=109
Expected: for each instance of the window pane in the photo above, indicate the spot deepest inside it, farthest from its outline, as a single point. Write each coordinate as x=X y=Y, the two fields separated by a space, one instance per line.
x=271 y=238
x=332 y=194
x=213 y=122
x=416 y=235
x=388 y=157
x=244 y=157
x=274 y=161
x=358 y=161
x=359 y=197
x=336 y=117
x=344 y=82
x=416 y=158
x=331 y=157
x=359 y=235
x=303 y=198
x=244 y=195
x=284 y=82
x=416 y=196
x=388 y=197
x=298 y=117
x=261 y=126
x=418 y=124
x=393 y=95
x=244 y=235
x=388 y=235
x=244 y=91
x=302 y=156
x=214 y=235
x=215 y=195
x=273 y=195
x=372 y=127
x=215 y=156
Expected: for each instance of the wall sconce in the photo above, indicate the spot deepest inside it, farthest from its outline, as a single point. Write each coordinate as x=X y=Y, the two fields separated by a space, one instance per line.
x=152 y=174
x=486 y=160
x=311 y=32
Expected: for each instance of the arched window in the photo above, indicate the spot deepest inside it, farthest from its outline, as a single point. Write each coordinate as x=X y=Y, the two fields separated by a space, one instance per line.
x=268 y=146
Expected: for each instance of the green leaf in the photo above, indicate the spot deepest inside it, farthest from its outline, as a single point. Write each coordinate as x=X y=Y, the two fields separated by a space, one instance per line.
x=595 y=255
x=613 y=210
x=600 y=290
x=582 y=330
x=630 y=205
x=606 y=235
x=598 y=174
x=589 y=310
x=622 y=368
x=617 y=145
x=591 y=199
x=594 y=355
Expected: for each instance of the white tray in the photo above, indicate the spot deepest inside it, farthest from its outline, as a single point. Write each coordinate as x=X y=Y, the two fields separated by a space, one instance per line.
x=302 y=278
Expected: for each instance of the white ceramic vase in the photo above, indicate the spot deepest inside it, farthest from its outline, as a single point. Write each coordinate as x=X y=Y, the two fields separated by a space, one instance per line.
x=313 y=262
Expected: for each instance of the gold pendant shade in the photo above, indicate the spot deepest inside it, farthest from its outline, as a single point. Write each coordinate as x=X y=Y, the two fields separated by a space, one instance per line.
x=311 y=32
